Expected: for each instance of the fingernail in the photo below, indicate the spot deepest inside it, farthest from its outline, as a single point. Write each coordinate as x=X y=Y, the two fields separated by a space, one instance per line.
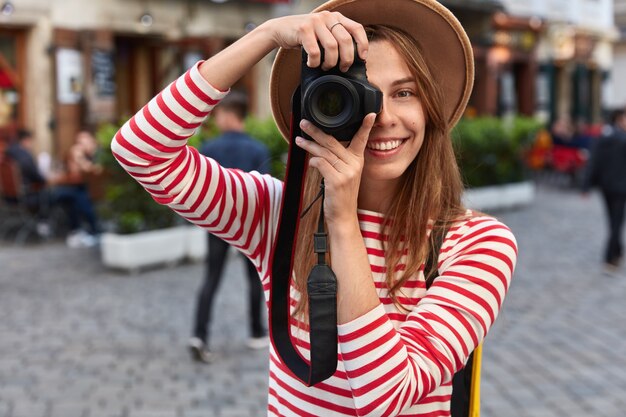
x=365 y=54
x=299 y=140
x=304 y=123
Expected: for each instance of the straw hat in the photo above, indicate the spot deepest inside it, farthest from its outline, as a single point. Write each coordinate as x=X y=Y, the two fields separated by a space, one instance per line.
x=445 y=45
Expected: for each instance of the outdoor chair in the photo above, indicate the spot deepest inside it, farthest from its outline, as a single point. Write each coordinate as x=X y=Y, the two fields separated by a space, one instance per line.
x=16 y=215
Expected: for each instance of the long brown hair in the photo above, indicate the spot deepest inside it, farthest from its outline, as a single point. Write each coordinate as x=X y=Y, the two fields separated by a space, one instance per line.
x=430 y=191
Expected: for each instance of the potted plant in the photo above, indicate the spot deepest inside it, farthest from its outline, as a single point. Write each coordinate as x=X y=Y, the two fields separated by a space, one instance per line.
x=138 y=231
x=491 y=157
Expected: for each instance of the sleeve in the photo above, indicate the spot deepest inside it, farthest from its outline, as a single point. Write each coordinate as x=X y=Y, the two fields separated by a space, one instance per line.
x=152 y=147
x=390 y=370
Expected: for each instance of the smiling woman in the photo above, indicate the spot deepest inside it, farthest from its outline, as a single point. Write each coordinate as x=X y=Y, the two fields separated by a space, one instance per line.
x=390 y=196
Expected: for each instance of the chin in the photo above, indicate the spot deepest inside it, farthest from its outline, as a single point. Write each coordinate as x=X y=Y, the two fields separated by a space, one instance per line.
x=380 y=174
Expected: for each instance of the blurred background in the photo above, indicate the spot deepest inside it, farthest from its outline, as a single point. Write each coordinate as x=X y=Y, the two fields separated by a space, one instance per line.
x=69 y=64
x=93 y=327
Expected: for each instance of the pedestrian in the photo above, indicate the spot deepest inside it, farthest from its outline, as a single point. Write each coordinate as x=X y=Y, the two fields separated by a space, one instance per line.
x=34 y=192
x=71 y=190
x=606 y=170
x=234 y=148
x=399 y=344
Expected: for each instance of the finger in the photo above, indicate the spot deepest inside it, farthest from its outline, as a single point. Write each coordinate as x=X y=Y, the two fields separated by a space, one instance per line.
x=357 y=32
x=325 y=168
x=323 y=139
x=315 y=149
x=346 y=47
x=312 y=48
x=359 y=141
x=329 y=43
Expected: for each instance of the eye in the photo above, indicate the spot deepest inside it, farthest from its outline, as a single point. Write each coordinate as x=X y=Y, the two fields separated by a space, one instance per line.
x=405 y=94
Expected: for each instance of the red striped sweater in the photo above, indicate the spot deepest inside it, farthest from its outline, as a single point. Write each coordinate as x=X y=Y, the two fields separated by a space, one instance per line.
x=390 y=362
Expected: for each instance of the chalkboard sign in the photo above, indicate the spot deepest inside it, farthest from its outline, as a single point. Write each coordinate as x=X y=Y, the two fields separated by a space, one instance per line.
x=103 y=72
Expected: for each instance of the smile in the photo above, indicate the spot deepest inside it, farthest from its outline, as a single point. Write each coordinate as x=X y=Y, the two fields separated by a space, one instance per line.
x=384 y=145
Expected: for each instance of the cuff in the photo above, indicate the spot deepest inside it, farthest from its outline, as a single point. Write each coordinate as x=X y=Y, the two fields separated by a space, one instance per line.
x=205 y=90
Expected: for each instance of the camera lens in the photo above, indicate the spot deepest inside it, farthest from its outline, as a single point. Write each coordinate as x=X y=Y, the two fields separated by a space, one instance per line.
x=331 y=101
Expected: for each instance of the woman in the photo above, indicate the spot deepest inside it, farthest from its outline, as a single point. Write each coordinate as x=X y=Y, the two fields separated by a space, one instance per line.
x=399 y=344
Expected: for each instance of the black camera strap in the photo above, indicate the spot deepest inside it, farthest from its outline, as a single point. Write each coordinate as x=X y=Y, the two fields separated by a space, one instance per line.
x=321 y=283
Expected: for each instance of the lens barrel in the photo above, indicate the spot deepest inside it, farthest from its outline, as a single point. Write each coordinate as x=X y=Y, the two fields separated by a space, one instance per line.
x=331 y=101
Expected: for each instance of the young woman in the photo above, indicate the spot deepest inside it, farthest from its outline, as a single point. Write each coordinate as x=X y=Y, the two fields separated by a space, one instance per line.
x=399 y=343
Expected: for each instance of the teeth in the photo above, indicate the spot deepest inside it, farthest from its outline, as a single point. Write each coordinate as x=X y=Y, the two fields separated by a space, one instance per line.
x=384 y=146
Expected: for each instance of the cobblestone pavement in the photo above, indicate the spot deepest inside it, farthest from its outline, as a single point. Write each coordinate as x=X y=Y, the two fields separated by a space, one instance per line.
x=77 y=340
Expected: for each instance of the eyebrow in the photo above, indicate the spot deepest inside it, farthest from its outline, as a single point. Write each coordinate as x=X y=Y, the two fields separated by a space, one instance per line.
x=404 y=81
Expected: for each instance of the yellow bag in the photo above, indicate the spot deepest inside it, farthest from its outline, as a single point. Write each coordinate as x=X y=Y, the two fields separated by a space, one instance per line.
x=474 y=397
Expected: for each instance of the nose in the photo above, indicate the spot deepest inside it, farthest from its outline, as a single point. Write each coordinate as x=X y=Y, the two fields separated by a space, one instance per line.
x=385 y=117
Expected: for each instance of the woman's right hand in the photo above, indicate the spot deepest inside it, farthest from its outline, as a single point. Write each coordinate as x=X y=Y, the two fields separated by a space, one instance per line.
x=332 y=30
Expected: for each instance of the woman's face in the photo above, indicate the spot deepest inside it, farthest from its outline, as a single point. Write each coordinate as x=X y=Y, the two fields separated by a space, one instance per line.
x=398 y=133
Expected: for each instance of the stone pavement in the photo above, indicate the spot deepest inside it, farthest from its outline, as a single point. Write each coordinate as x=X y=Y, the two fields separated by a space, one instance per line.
x=77 y=340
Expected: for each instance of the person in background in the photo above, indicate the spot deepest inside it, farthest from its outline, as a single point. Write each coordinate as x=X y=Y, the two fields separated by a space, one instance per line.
x=562 y=130
x=606 y=170
x=232 y=149
x=22 y=152
x=71 y=190
x=35 y=193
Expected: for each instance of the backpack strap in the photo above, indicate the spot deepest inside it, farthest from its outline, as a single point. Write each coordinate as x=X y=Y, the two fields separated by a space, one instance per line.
x=431 y=265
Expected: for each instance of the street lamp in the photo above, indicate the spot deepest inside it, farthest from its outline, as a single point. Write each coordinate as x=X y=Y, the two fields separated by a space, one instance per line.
x=146 y=19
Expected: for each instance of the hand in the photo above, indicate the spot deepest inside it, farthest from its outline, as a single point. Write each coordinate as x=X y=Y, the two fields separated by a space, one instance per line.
x=332 y=30
x=340 y=166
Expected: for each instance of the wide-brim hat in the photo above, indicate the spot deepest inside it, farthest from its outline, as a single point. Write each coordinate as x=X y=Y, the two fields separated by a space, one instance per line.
x=445 y=46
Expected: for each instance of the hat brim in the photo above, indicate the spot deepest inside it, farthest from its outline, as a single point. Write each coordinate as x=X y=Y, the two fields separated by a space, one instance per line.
x=446 y=47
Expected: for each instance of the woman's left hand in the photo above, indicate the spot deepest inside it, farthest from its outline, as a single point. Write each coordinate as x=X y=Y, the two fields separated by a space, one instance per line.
x=340 y=166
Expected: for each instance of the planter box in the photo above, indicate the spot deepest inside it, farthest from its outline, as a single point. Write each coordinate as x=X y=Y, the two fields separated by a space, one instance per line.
x=138 y=250
x=196 y=243
x=500 y=197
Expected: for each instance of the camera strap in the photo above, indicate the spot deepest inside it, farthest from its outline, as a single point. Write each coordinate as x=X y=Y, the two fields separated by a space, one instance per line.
x=321 y=283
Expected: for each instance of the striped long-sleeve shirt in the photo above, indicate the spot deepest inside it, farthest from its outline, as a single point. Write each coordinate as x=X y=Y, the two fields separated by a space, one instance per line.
x=391 y=361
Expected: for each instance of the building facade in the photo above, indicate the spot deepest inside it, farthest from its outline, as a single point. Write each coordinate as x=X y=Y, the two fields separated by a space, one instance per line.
x=66 y=65
x=70 y=64
x=574 y=55
x=616 y=88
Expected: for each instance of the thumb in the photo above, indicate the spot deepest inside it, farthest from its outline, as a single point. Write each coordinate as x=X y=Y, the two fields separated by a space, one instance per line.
x=359 y=141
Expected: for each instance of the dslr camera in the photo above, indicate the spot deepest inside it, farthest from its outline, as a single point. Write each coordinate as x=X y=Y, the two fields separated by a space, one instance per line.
x=336 y=101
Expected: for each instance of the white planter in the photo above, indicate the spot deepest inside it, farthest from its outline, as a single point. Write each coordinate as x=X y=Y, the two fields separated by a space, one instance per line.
x=137 y=250
x=196 y=243
x=500 y=197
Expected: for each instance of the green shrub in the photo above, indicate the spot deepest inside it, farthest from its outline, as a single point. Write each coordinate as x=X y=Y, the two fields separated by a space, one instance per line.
x=490 y=150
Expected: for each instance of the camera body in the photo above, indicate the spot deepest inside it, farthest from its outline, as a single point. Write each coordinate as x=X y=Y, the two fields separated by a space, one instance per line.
x=336 y=101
